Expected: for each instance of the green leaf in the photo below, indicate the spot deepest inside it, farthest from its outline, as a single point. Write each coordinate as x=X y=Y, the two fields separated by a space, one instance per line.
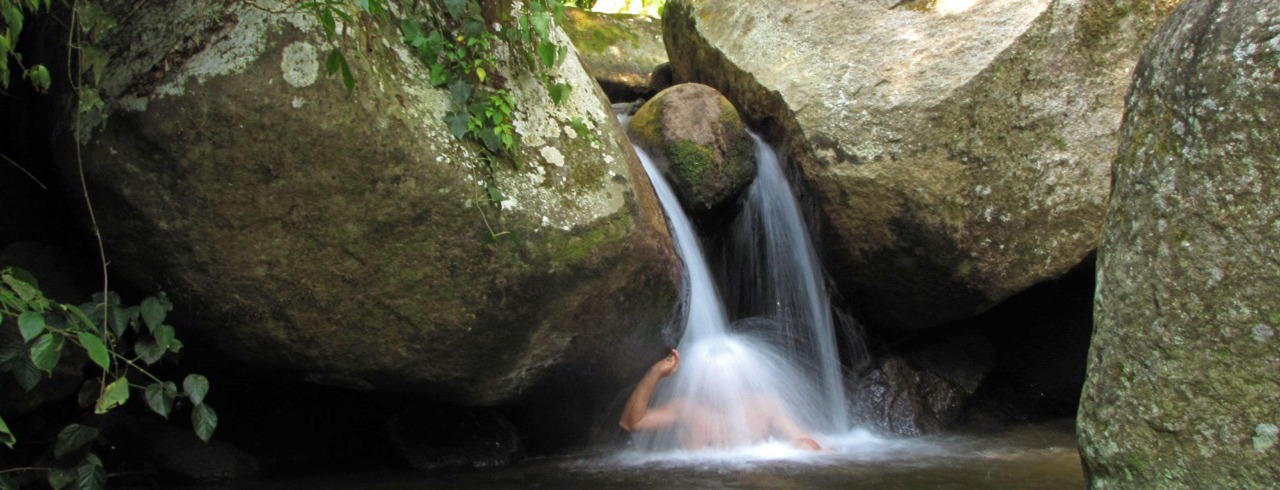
x=89 y=392
x=153 y=312
x=86 y=314
x=73 y=437
x=541 y=23
x=160 y=397
x=93 y=61
x=196 y=387
x=149 y=350
x=559 y=92
x=90 y=100
x=495 y=195
x=5 y=482
x=547 y=52
x=439 y=75
x=338 y=63
x=164 y=335
x=96 y=349
x=46 y=351
x=30 y=324
x=457 y=122
x=39 y=76
x=204 y=420
x=412 y=32
x=6 y=437
x=327 y=21
x=61 y=478
x=27 y=290
x=456 y=8
x=12 y=16
x=460 y=92
x=90 y=475
x=175 y=346
x=118 y=319
x=113 y=396
x=473 y=27
x=15 y=360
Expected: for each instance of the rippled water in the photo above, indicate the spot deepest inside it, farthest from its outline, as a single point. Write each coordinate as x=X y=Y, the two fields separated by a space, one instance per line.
x=1034 y=457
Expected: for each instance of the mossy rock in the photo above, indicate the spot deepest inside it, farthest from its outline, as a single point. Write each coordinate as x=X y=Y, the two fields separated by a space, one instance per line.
x=623 y=52
x=350 y=237
x=952 y=168
x=701 y=143
x=1184 y=364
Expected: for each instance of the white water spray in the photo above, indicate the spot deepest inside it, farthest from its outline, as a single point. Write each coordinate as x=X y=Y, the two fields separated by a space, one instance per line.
x=784 y=358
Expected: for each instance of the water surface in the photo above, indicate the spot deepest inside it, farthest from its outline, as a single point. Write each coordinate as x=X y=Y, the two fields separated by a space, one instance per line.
x=1039 y=456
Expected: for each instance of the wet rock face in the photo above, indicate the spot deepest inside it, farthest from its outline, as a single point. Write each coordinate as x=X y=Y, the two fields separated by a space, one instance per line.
x=957 y=155
x=898 y=398
x=698 y=140
x=623 y=52
x=352 y=237
x=1185 y=360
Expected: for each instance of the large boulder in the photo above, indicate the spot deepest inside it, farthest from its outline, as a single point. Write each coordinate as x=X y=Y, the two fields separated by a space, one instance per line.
x=697 y=138
x=959 y=152
x=623 y=52
x=352 y=237
x=1184 y=365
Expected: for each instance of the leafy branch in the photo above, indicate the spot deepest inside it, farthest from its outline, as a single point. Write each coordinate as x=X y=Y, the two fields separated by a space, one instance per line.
x=129 y=341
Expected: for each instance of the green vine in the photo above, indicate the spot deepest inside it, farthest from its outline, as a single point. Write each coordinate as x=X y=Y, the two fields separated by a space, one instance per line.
x=128 y=341
x=459 y=42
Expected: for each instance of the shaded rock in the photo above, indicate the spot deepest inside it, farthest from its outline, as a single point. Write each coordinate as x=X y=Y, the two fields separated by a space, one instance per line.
x=898 y=398
x=154 y=445
x=959 y=152
x=1185 y=360
x=696 y=137
x=314 y=233
x=441 y=438
x=623 y=52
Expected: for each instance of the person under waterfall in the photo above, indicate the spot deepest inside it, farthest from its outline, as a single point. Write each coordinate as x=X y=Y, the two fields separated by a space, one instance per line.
x=702 y=423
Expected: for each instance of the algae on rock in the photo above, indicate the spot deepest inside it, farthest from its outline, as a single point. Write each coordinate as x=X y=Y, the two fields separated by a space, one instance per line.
x=350 y=236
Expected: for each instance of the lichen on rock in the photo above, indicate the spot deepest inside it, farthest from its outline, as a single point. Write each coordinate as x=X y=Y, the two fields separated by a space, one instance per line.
x=1183 y=362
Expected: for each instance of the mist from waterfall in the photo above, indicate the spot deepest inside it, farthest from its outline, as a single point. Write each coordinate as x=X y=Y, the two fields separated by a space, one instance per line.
x=783 y=351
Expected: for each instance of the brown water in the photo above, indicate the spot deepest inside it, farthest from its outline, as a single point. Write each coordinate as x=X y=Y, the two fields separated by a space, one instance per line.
x=1033 y=457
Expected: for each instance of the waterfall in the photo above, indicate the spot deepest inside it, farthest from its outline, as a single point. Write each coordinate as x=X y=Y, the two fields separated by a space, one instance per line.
x=781 y=278
x=783 y=355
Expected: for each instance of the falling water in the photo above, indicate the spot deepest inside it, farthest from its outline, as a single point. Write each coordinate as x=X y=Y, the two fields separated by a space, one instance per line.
x=764 y=363
x=780 y=277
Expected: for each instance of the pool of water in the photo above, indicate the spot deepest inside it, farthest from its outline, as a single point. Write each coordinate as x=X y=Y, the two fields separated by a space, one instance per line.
x=1041 y=456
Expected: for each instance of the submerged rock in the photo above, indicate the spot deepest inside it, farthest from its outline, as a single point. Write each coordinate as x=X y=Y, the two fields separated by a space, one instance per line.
x=696 y=137
x=958 y=152
x=1184 y=364
x=623 y=52
x=352 y=236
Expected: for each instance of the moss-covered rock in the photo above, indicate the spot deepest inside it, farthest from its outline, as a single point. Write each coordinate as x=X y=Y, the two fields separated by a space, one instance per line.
x=623 y=52
x=700 y=142
x=1184 y=364
x=352 y=237
x=958 y=152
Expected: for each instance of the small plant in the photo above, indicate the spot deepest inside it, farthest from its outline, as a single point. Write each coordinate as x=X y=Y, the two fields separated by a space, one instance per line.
x=122 y=342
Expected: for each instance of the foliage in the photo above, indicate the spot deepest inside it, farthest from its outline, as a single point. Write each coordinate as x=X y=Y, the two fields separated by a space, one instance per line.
x=460 y=42
x=122 y=342
x=12 y=15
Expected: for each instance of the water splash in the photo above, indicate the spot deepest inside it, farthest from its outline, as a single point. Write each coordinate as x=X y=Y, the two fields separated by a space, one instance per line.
x=742 y=384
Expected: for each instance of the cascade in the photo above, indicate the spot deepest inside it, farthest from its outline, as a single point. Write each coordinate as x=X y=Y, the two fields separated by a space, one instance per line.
x=782 y=349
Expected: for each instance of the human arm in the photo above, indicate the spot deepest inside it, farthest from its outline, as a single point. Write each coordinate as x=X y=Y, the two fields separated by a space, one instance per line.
x=637 y=415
